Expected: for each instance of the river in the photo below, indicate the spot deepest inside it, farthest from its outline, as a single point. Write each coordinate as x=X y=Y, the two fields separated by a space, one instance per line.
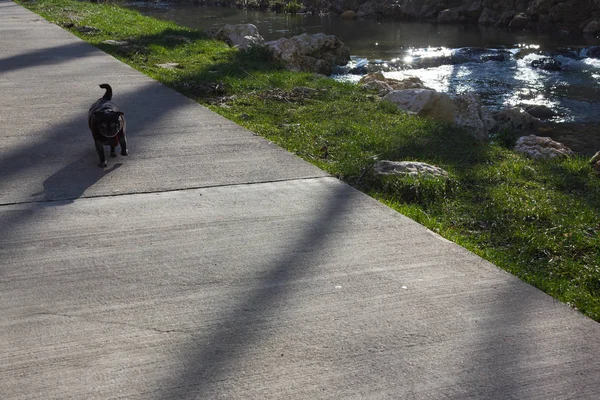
x=496 y=64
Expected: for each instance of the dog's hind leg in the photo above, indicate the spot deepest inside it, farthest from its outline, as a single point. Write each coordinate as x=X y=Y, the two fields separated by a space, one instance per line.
x=113 y=153
x=100 y=150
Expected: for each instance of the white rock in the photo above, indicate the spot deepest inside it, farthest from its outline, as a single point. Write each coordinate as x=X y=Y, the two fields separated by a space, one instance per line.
x=425 y=103
x=116 y=42
x=469 y=115
x=538 y=147
x=242 y=36
x=595 y=163
x=310 y=53
x=385 y=85
x=409 y=168
x=168 y=65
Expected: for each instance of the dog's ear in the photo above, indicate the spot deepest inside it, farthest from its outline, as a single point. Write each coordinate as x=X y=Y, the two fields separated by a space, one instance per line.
x=121 y=113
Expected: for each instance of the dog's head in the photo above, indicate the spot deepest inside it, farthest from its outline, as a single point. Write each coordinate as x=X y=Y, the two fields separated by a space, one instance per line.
x=108 y=123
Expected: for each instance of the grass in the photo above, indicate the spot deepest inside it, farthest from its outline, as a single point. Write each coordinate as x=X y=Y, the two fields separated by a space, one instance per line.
x=539 y=220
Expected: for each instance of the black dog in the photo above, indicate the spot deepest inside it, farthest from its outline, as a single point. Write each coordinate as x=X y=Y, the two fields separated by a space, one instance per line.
x=107 y=124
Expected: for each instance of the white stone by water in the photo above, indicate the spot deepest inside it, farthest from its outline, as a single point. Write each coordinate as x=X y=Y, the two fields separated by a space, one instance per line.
x=425 y=103
x=539 y=147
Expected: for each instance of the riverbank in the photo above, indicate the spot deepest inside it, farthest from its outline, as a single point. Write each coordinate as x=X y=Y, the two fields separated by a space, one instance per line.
x=562 y=17
x=539 y=220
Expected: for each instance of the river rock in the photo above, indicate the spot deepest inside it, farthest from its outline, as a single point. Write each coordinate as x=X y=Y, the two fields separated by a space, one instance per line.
x=310 y=53
x=451 y=16
x=407 y=168
x=592 y=28
x=377 y=9
x=385 y=85
x=540 y=112
x=429 y=9
x=348 y=14
x=591 y=52
x=116 y=42
x=513 y=119
x=472 y=117
x=539 y=147
x=547 y=64
x=478 y=54
x=426 y=103
x=168 y=65
x=488 y=17
x=242 y=36
x=547 y=15
x=519 y=22
x=472 y=10
x=595 y=163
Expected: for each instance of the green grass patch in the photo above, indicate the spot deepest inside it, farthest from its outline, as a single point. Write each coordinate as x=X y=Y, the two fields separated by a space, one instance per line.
x=539 y=220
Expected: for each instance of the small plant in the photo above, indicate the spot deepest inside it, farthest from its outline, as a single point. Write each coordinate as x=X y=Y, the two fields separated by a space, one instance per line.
x=505 y=137
x=292 y=7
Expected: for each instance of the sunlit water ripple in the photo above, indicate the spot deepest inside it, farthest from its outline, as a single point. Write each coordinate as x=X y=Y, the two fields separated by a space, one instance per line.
x=438 y=55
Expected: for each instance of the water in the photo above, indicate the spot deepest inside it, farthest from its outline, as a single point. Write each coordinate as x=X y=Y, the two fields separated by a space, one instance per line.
x=499 y=68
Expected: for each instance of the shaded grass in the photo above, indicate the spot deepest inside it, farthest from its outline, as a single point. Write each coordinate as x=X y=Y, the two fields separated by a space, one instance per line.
x=539 y=220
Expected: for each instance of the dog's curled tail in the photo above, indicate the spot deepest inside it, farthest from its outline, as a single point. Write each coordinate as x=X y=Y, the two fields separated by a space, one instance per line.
x=108 y=94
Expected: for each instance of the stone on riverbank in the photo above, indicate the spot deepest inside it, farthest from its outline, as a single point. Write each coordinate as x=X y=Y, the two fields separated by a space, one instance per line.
x=513 y=119
x=450 y=16
x=407 y=168
x=426 y=103
x=595 y=162
x=242 y=36
x=383 y=85
x=464 y=111
x=541 y=112
x=310 y=53
x=472 y=116
x=168 y=65
x=540 y=147
x=349 y=14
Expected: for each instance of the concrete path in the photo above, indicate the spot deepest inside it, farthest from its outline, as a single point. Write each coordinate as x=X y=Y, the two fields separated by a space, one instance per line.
x=212 y=264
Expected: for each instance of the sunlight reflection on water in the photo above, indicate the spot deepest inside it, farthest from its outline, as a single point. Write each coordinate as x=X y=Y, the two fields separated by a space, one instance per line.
x=433 y=53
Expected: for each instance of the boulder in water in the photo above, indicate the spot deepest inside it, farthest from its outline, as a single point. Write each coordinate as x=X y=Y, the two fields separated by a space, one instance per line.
x=540 y=112
x=547 y=64
x=591 y=52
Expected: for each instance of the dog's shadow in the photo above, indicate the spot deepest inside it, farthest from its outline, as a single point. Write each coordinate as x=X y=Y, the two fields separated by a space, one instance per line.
x=71 y=182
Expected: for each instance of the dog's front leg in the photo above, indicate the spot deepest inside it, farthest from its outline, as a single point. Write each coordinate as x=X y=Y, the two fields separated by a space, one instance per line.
x=100 y=150
x=123 y=144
